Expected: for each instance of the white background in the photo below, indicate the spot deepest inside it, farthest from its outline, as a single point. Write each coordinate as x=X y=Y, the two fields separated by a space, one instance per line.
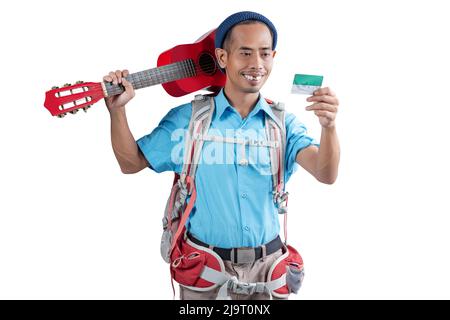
x=72 y=226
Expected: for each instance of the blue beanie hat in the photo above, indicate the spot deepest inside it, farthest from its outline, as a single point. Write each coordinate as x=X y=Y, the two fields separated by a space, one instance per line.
x=238 y=17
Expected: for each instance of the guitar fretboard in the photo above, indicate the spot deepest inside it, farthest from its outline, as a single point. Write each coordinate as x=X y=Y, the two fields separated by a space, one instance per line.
x=142 y=79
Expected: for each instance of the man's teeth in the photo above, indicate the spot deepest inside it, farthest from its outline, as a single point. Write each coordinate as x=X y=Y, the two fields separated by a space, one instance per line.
x=253 y=78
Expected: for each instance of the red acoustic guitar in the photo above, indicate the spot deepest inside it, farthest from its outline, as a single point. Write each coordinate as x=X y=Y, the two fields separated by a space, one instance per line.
x=181 y=70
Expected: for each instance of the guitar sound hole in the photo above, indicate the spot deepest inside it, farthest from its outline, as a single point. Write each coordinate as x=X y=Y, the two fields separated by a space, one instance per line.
x=207 y=63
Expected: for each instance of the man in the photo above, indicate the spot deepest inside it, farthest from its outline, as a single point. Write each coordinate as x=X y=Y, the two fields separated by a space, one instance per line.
x=234 y=206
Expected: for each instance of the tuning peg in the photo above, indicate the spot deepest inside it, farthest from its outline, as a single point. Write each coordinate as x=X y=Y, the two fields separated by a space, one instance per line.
x=67 y=84
x=62 y=115
x=55 y=87
x=86 y=108
x=79 y=82
x=74 y=111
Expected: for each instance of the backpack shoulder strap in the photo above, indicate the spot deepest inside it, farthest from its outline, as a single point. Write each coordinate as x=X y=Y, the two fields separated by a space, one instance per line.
x=276 y=131
x=199 y=123
x=202 y=111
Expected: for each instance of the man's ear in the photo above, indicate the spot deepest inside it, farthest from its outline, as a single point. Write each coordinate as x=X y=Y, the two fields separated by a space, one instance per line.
x=274 y=53
x=222 y=57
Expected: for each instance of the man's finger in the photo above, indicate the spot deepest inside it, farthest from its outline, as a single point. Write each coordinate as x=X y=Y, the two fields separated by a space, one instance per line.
x=119 y=76
x=326 y=114
x=128 y=87
x=127 y=84
x=322 y=106
x=114 y=77
x=325 y=90
x=324 y=98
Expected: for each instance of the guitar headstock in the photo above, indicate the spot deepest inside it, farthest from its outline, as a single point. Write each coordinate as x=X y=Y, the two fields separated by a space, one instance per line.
x=72 y=98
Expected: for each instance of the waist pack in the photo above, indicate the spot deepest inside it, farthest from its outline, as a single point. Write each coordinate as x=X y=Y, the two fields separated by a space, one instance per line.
x=200 y=268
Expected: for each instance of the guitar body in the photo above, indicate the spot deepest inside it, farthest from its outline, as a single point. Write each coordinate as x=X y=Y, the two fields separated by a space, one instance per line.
x=208 y=74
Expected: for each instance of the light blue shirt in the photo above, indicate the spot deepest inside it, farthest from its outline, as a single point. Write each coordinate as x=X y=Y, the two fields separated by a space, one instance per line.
x=234 y=206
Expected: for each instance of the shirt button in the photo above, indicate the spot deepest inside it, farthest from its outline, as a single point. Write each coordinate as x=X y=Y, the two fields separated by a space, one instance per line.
x=243 y=162
x=246 y=228
x=244 y=195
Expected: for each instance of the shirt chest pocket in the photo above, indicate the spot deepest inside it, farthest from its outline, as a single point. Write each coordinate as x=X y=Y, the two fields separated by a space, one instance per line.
x=259 y=159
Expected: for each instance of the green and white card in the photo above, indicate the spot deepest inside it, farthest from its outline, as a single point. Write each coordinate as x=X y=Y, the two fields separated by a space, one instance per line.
x=306 y=83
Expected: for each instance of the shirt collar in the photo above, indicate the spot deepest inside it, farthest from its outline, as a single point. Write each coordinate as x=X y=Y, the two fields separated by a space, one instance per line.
x=222 y=103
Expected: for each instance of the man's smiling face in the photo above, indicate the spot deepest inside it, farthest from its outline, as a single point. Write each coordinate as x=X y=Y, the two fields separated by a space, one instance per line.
x=247 y=57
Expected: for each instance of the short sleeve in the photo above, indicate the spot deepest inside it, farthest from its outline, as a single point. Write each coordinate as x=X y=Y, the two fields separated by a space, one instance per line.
x=297 y=139
x=163 y=147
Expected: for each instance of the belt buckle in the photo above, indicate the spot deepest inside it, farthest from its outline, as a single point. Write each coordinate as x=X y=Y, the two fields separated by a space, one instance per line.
x=244 y=255
x=244 y=288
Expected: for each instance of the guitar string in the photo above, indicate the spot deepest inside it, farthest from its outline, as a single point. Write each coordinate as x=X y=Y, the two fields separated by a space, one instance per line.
x=188 y=68
x=166 y=75
x=174 y=68
x=161 y=74
x=178 y=70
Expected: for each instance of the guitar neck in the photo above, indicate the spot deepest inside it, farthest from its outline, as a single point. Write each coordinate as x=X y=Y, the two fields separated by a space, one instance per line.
x=142 y=79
